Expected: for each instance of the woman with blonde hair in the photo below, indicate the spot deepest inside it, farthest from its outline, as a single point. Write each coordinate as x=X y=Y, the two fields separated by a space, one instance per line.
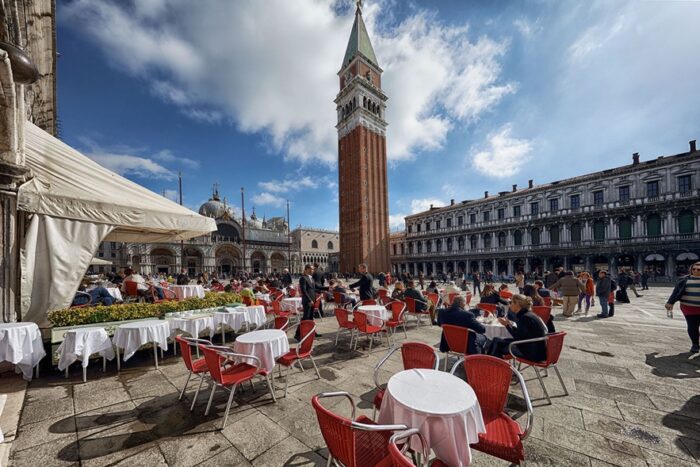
x=398 y=292
x=527 y=326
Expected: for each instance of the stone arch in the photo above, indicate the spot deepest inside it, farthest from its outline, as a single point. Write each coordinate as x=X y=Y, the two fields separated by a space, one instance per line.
x=227 y=259
x=193 y=260
x=258 y=262
x=163 y=259
x=330 y=245
x=277 y=261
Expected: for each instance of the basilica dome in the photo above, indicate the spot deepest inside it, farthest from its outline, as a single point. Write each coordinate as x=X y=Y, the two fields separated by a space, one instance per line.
x=215 y=208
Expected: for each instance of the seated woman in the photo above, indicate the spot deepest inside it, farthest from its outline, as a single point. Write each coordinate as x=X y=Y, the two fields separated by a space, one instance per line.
x=537 y=300
x=399 y=290
x=490 y=296
x=527 y=325
x=337 y=286
x=432 y=288
x=504 y=293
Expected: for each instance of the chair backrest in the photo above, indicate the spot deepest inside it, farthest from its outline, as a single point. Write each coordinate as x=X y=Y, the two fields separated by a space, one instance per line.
x=369 y=302
x=398 y=457
x=457 y=338
x=505 y=294
x=451 y=296
x=544 y=312
x=292 y=292
x=490 y=378
x=217 y=287
x=360 y=318
x=132 y=288
x=397 y=308
x=487 y=308
x=433 y=297
x=281 y=323
x=547 y=301
x=341 y=315
x=351 y=447
x=317 y=303
x=168 y=294
x=469 y=298
x=410 y=304
x=555 y=343
x=338 y=297
x=382 y=293
x=418 y=355
x=185 y=351
x=306 y=328
x=211 y=356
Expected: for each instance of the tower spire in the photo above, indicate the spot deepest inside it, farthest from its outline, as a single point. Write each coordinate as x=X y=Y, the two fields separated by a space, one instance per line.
x=359 y=43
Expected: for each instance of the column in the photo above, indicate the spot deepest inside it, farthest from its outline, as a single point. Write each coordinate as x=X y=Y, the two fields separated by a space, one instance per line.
x=454 y=266
x=566 y=263
x=527 y=264
x=588 y=263
x=444 y=267
x=481 y=266
x=544 y=264
x=670 y=227
x=433 y=266
x=640 y=263
x=510 y=266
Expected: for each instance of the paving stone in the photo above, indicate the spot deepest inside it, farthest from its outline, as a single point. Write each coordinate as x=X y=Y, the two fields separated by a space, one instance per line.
x=102 y=419
x=45 y=431
x=41 y=410
x=303 y=425
x=151 y=457
x=539 y=452
x=618 y=394
x=289 y=452
x=86 y=403
x=265 y=434
x=62 y=452
x=229 y=456
x=186 y=450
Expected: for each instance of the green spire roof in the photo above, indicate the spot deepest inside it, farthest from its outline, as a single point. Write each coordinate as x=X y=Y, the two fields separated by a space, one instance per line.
x=359 y=42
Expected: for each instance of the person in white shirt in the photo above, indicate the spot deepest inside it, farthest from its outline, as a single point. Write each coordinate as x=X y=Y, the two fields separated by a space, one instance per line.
x=449 y=288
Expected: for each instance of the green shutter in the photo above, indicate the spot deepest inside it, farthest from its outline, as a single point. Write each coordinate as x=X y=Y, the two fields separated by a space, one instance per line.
x=625 y=228
x=653 y=226
x=685 y=223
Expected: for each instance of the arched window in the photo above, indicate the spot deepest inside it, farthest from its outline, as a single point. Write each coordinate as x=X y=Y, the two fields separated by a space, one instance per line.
x=518 y=238
x=438 y=245
x=686 y=223
x=535 y=236
x=314 y=244
x=653 y=225
x=429 y=246
x=461 y=243
x=473 y=242
x=624 y=228
x=487 y=240
x=330 y=245
x=502 y=239
x=419 y=247
x=554 y=235
x=575 y=232
x=599 y=230
x=449 y=244
x=364 y=102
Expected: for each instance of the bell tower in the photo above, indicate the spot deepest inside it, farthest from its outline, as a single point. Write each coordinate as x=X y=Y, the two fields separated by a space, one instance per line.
x=362 y=169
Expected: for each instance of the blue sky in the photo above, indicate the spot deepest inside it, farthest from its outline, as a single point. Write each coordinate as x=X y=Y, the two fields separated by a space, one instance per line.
x=482 y=94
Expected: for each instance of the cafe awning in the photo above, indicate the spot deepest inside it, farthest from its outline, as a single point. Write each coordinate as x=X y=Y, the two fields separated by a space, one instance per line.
x=654 y=257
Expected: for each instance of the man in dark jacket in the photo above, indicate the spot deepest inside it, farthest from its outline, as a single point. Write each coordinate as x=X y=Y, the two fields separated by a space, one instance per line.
x=286 y=278
x=183 y=278
x=307 y=289
x=551 y=279
x=457 y=315
x=366 y=283
x=527 y=326
x=602 y=290
x=319 y=277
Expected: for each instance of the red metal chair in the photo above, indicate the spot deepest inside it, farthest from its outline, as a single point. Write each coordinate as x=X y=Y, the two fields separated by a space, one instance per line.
x=292 y=292
x=248 y=301
x=544 y=312
x=383 y=295
x=505 y=294
x=131 y=291
x=434 y=298
x=281 y=323
x=300 y=352
x=413 y=355
x=344 y=322
x=230 y=377
x=469 y=298
x=168 y=295
x=217 y=287
x=397 y=453
x=411 y=306
x=194 y=367
x=554 y=343
x=339 y=299
x=451 y=296
x=547 y=301
x=318 y=306
x=352 y=442
x=490 y=379
x=398 y=317
x=457 y=338
x=487 y=308
x=369 y=330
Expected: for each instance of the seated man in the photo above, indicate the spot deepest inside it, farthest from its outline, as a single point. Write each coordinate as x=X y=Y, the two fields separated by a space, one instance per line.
x=183 y=278
x=541 y=291
x=98 y=296
x=457 y=315
x=338 y=287
x=450 y=288
x=422 y=303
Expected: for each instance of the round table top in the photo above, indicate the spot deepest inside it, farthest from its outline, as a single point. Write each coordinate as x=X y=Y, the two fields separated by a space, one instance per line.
x=292 y=299
x=431 y=392
x=263 y=335
x=143 y=324
x=371 y=308
x=86 y=330
x=18 y=325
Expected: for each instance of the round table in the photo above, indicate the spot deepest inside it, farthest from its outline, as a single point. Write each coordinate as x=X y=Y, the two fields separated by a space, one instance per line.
x=376 y=314
x=235 y=318
x=193 y=325
x=267 y=344
x=495 y=329
x=291 y=304
x=263 y=296
x=187 y=291
x=131 y=336
x=21 y=345
x=442 y=406
x=80 y=343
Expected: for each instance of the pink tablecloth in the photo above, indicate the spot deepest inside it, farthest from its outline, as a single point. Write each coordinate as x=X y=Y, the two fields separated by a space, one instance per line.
x=442 y=406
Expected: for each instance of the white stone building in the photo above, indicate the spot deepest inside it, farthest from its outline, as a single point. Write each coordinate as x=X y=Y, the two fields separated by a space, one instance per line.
x=316 y=246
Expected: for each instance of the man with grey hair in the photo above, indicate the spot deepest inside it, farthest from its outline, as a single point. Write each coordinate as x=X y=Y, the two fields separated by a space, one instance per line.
x=458 y=315
x=366 y=283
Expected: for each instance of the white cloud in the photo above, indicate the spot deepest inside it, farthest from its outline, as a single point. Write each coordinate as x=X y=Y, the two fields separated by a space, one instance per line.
x=172 y=195
x=396 y=221
x=268 y=199
x=288 y=185
x=167 y=156
x=420 y=205
x=596 y=37
x=140 y=167
x=271 y=67
x=503 y=155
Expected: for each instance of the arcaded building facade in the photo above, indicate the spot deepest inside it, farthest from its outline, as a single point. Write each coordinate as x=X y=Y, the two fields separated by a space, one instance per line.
x=315 y=246
x=642 y=216
x=362 y=168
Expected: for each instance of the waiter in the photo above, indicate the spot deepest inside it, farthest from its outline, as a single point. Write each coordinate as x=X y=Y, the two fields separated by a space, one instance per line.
x=366 y=283
x=308 y=290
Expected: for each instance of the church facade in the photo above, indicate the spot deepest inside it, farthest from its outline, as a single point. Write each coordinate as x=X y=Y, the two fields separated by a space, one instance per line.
x=362 y=167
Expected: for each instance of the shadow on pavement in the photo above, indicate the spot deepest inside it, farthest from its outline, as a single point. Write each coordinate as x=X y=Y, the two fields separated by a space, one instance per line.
x=679 y=366
x=687 y=421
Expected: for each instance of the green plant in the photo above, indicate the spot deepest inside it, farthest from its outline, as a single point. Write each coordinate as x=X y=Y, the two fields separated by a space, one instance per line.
x=127 y=311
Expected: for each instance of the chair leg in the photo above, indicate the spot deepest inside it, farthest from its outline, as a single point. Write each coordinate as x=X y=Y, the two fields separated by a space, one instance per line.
x=404 y=330
x=67 y=371
x=84 y=374
x=211 y=398
x=228 y=405
x=337 y=334
x=119 y=365
x=104 y=364
x=189 y=375
x=272 y=391
x=315 y=367
x=371 y=341
x=445 y=366
x=561 y=380
x=196 y=393
x=539 y=377
x=286 y=382
x=330 y=459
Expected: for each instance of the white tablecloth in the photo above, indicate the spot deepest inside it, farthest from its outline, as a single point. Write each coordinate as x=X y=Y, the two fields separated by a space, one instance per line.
x=495 y=329
x=21 y=344
x=291 y=304
x=131 y=336
x=187 y=291
x=263 y=296
x=442 y=406
x=234 y=318
x=193 y=325
x=79 y=344
x=375 y=314
x=267 y=344
x=115 y=292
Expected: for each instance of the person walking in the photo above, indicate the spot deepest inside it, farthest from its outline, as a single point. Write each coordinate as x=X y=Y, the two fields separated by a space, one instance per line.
x=477 y=283
x=520 y=281
x=602 y=291
x=633 y=280
x=645 y=280
x=623 y=281
x=587 y=281
x=568 y=287
x=687 y=291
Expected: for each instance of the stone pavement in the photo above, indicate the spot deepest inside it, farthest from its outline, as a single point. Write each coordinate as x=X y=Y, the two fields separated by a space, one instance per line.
x=634 y=400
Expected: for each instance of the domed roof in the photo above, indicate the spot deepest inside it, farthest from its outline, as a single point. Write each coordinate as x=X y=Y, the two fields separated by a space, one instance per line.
x=215 y=208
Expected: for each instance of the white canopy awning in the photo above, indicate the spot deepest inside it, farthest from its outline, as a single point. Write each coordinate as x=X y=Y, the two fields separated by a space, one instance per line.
x=75 y=204
x=69 y=185
x=99 y=262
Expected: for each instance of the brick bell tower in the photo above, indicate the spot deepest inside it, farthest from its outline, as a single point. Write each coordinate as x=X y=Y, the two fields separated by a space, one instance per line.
x=362 y=170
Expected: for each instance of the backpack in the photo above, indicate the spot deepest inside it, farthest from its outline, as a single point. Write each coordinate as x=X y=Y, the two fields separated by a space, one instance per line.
x=613 y=285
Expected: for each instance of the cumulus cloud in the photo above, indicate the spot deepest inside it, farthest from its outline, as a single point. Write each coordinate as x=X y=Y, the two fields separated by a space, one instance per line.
x=167 y=156
x=503 y=155
x=420 y=205
x=172 y=195
x=139 y=167
x=288 y=185
x=270 y=67
x=268 y=199
x=396 y=221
